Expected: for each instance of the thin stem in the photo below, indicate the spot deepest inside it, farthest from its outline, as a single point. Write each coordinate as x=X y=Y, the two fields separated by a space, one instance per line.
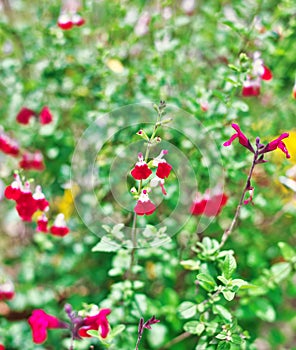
x=228 y=232
x=138 y=341
x=176 y=340
x=134 y=226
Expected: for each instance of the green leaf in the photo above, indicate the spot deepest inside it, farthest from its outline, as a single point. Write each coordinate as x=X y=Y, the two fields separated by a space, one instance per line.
x=280 y=271
x=194 y=327
x=223 y=312
x=190 y=264
x=106 y=245
x=117 y=330
x=228 y=266
x=223 y=345
x=264 y=310
x=287 y=251
x=187 y=309
x=228 y=295
x=206 y=281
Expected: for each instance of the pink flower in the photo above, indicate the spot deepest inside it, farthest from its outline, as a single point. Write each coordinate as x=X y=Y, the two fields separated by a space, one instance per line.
x=6 y=290
x=243 y=140
x=42 y=222
x=141 y=170
x=277 y=143
x=98 y=322
x=208 y=205
x=32 y=161
x=45 y=116
x=40 y=322
x=59 y=227
x=142 y=26
x=24 y=115
x=144 y=206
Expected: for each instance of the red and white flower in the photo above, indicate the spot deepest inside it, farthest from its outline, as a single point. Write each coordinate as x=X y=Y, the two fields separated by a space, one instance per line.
x=32 y=161
x=144 y=205
x=6 y=289
x=24 y=115
x=42 y=223
x=141 y=170
x=59 y=227
x=69 y=16
x=8 y=145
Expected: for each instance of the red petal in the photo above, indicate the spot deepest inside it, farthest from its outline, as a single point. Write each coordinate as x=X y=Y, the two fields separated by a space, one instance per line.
x=141 y=172
x=45 y=116
x=267 y=75
x=144 y=208
x=24 y=115
x=163 y=170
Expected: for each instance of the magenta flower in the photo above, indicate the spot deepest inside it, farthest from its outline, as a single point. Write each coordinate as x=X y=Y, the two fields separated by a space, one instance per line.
x=40 y=322
x=277 y=143
x=98 y=322
x=243 y=140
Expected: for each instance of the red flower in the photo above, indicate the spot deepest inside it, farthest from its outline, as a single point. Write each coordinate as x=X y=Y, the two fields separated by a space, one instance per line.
x=98 y=322
x=243 y=140
x=39 y=197
x=42 y=222
x=32 y=161
x=208 y=205
x=45 y=116
x=59 y=227
x=266 y=75
x=163 y=169
x=40 y=322
x=8 y=145
x=77 y=20
x=13 y=191
x=277 y=143
x=251 y=88
x=144 y=205
x=65 y=22
x=141 y=170
x=24 y=115
x=2 y=347
x=6 y=290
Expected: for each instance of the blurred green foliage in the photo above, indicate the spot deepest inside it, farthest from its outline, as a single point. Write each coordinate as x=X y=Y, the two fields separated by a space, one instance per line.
x=186 y=59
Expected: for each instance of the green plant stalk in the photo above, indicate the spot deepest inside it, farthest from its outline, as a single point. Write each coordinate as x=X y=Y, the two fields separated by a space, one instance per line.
x=228 y=232
x=147 y=152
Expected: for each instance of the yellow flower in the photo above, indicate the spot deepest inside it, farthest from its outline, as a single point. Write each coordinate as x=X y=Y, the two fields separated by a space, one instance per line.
x=115 y=65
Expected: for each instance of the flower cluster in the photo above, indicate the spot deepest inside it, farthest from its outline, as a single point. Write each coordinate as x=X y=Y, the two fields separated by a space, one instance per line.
x=69 y=16
x=8 y=145
x=28 y=203
x=208 y=204
x=142 y=171
x=252 y=86
x=25 y=114
x=40 y=322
